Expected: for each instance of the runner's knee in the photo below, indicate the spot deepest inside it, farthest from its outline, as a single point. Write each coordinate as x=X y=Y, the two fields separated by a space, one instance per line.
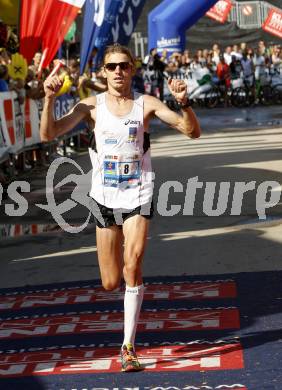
x=132 y=267
x=133 y=255
x=110 y=285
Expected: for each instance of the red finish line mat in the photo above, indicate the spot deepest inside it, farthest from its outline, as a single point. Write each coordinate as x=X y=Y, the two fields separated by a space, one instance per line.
x=194 y=333
x=153 y=292
x=172 y=320
x=193 y=357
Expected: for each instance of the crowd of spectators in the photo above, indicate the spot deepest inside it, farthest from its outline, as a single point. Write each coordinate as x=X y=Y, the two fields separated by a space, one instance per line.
x=77 y=86
x=222 y=64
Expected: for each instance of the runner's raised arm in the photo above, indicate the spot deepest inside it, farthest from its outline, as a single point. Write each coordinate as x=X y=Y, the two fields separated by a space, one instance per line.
x=186 y=123
x=51 y=128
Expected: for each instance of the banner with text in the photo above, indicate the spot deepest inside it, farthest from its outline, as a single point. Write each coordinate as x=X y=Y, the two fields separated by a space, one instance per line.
x=126 y=20
x=273 y=23
x=220 y=11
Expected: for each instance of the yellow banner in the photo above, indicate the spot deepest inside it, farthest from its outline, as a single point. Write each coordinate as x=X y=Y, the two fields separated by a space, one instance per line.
x=9 y=11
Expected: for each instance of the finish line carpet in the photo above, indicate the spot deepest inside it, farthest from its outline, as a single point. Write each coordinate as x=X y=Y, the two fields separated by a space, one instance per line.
x=220 y=332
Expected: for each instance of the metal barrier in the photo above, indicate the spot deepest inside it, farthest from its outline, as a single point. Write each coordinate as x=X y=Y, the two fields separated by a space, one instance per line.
x=19 y=132
x=250 y=14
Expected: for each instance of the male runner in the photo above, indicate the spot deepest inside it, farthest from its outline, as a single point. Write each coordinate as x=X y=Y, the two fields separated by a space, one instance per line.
x=122 y=174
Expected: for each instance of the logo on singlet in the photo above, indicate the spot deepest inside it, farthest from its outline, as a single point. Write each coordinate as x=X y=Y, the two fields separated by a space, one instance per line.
x=131 y=122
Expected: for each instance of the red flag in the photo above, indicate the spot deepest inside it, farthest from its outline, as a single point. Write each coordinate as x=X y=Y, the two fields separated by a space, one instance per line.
x=220 y=10
x=56 y=20
x=31 y=12
x=273 y=23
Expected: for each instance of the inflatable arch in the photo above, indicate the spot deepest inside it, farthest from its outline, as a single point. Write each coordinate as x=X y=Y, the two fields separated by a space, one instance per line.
x=168 y=22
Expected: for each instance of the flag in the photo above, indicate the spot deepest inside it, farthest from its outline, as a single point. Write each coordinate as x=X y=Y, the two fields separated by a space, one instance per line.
x=55 y=22
x=126 y=20
x=220 y=10
x=94 y=13
x=273 y=23
x=45 y=24
x=98 y=20
x=30 y=16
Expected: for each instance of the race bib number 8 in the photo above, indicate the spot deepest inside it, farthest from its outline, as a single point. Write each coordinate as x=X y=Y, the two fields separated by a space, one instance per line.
x=121 y=172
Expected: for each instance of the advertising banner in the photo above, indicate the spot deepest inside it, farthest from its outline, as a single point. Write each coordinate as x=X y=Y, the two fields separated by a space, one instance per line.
x=94 y=14
x=31 y=123
x=102 y=36
x=220 y=11
x=99 y=16
x=167 y=29
x=126 y=20
x=4 y=149
x=273 y=23
x=12 y=131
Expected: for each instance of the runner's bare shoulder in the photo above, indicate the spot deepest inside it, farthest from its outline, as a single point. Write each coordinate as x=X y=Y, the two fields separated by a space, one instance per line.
x=86 y=105
x=151 y=104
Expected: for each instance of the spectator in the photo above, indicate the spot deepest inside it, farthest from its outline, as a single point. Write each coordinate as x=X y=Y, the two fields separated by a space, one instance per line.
x=149 y=59
x=195 y=64
x=33 y=87
x=235 y=52
x=158 y=67
x=186 y=59
x=248 y=73
x=3 y=78
x=243 y=47
x=137 y=80
x=262 y=47
x=4 y=57
x=215 y=53
x=83 y=85
x=164 y=58
x=223 y=74
x=248 y=68
x=201 y=58
x=36 y=63
x=227 y=55
x=275 y=57
x=259 y=64
x=235 y=68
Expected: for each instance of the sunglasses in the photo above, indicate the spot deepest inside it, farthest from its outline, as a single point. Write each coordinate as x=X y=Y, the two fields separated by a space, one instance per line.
x=111 y=66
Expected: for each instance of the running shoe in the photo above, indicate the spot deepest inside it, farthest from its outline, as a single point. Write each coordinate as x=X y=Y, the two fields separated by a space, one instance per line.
x=129 y=360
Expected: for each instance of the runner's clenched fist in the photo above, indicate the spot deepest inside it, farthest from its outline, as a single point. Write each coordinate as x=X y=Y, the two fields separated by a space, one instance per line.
x=52 y=85
x=178 y=89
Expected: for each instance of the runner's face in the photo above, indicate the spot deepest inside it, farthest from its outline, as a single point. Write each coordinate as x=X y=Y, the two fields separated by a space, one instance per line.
x=118 y=78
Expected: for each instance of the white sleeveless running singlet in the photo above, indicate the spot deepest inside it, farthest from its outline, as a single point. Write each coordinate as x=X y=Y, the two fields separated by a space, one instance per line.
x=122 y=172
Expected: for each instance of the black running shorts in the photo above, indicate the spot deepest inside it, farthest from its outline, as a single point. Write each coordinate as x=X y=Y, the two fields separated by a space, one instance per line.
x=106 y=217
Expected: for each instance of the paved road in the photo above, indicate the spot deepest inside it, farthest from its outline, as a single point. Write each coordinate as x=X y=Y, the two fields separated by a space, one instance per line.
x=236 y=146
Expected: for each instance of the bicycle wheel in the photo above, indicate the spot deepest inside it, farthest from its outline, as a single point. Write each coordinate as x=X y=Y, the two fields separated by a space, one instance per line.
x=266 y=95
x=277 y=94
x=212 y=98
x=239 y=97
x=250 y=98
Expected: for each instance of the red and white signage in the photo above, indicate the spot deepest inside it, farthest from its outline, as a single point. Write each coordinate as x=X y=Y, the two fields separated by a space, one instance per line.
x=31 y=123
x=8 y=119
x=19 y=125
x=220 y=10
x=194 y=357
x=247 y=10
x=177 y=291
x=273 y=23
x=209 y=319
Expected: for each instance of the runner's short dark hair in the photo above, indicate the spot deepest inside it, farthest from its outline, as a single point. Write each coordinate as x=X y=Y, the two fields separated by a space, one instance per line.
x=117 y=48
